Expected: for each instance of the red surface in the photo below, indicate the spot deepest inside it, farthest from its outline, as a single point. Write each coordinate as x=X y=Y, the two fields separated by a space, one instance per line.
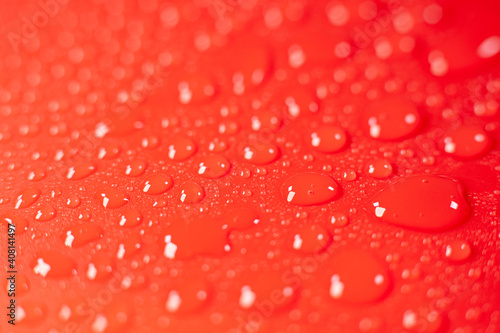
x=149 y=151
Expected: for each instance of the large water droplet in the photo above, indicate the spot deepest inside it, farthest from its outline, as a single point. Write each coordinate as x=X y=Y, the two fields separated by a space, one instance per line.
x=423 y=202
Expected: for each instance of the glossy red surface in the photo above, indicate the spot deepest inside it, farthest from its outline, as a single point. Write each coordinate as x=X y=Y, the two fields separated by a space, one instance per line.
x=244 y=166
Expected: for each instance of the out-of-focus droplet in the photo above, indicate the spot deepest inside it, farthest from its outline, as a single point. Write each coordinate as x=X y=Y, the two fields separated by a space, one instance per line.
x=311 y=239
x=328 y=139
x=135 y=168
x=356 y=276
x=130 y=218
x=181 y=148
x=392 y=119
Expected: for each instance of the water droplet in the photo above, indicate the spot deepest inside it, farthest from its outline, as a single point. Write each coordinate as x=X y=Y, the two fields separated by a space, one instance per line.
x=81 y=171
x=27 y=197
x=135 y=168
x=36 y=175
x=260 y=152
x=257 y=289
x=356 y=276
x=458 y=250
x=20 y=223
x=81 y=234
x=422 y=202
x=241 y=218
x=53 y=264
x=379 y=169
x=195 y=236
x=307 y=189
x=328 y=139
x=130 y=218
x=349 y=175
x=112 y=198
x=423 y=320
x=188 y=296
x=73 y=201
x=99 y=268
x=339 y=220
x=45 y=213
x=213 y=166
x=467 y=142
x=129 y=247
x=181 y=148
x=191 y=192
x=311 y=239
x=392 y=119
x=157 y=183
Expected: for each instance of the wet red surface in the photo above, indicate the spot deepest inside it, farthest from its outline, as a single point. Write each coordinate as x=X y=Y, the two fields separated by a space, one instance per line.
x=251 y=166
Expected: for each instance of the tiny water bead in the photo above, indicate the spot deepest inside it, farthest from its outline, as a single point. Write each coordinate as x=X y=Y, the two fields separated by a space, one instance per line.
x=81 y=171
x=392 y=119
x=181 y=149
x=157 y=183
x=328 y=139
x=260 y=152
x=306 y=189
x=112 y=198
x=191 y=192
x=356 y=276
x=422 y=202
x=457 y=250
x=27 y=197
x=311 y=239
x=379 y=169
x=213 y=166
x=466 y=142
